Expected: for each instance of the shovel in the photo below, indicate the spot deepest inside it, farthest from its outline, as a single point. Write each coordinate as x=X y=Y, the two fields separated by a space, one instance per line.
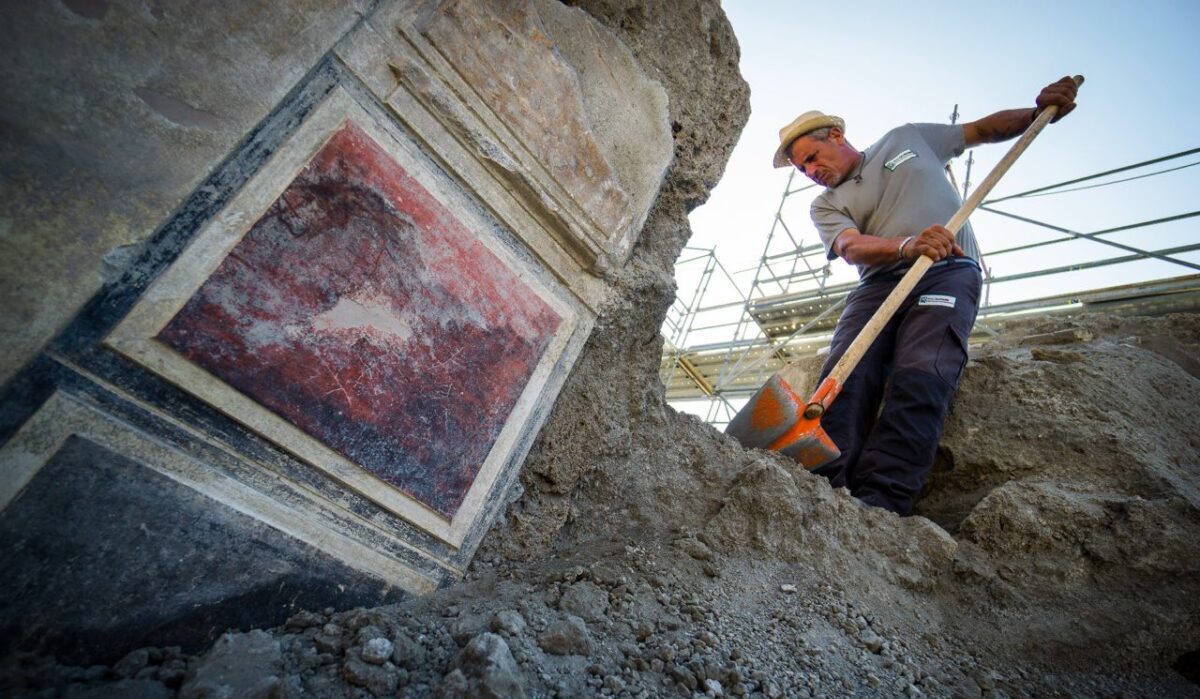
x=778 y=419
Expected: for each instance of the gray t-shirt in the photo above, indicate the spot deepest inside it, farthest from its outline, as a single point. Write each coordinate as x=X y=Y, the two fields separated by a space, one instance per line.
x=902 y=190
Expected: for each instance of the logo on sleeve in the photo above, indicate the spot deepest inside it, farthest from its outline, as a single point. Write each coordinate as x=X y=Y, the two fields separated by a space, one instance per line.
x=936 y=300
x=903 y=157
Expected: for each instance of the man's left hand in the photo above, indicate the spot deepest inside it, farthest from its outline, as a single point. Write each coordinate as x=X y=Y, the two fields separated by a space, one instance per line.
x=1060 y=93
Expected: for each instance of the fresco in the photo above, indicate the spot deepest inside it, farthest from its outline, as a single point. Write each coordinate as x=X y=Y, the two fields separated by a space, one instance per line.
x=367 y=314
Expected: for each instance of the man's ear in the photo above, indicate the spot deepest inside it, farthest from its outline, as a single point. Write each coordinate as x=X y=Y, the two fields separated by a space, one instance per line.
x=836 y=135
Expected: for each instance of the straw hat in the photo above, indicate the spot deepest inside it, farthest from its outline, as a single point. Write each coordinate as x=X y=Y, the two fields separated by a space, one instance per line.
x=808 y=121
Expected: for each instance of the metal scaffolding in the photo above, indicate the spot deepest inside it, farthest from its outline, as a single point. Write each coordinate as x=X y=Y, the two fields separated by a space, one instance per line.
x=790 y=307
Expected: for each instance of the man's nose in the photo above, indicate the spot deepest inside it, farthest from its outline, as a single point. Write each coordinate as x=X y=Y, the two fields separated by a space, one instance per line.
x=809 y=169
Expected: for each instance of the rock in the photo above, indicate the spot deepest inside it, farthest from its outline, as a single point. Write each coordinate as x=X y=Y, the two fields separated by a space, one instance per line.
x=872 y=641
x=695 y=548
x=379 y=679
x=713 y=688
x=566 y=637
x=302 y=620
x=586 y=600
x=509 y=622
x=467 y=627
x=408 y=653
x=787 y=588
x=643 y=630
x=487 y=665
x=133 y=663
x=328 y=644
x=238 y=665
x=377 y=651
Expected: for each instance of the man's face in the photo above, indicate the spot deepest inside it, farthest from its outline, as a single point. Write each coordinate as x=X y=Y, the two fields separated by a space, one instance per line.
x=825 y=162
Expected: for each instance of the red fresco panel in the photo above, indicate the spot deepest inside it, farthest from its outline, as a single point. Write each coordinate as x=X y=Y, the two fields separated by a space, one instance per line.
x=365 y=313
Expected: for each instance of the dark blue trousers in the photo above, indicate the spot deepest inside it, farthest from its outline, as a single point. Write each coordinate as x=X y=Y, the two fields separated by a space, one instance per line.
x=913 y=368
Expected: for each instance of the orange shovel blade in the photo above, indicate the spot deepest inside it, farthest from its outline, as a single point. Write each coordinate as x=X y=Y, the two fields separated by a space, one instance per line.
x=774 y=419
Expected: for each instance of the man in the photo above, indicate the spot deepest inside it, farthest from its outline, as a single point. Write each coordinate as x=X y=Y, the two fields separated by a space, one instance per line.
x=882 y=209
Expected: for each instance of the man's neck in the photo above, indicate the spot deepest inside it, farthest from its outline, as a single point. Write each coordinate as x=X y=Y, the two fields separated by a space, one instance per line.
x=854 y=172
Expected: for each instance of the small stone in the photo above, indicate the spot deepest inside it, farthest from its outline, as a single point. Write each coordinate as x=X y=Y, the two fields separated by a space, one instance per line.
x=682 y=675
x=133 y=663
x=787 y=588
x=407 y=653
x=366 y=633
x=566 y=637
x=713 y=688
x=377 y=651
x=872 y=641
x=643 y=631
x=328 y=644
x=695 y=548
x=303 y=620
x=508 y=622
x=586 y=600
x=379 y=679
x=488 y=665
x=468 y=626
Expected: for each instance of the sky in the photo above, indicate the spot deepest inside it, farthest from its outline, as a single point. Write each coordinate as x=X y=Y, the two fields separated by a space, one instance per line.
x=881 y=64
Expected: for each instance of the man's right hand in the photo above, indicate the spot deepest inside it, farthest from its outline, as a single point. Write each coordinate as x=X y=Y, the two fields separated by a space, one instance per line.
x=935 y=242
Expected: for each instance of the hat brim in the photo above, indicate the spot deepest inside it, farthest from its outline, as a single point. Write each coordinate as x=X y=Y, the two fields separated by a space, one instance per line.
x=803 y=125
x=781 y=154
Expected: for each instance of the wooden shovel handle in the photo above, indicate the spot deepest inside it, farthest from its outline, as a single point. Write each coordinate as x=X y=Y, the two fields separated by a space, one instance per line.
x=888 y=308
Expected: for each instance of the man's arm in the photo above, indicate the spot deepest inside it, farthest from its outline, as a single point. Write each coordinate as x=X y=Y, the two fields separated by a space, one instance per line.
x=935 y=242
x=1011 y=123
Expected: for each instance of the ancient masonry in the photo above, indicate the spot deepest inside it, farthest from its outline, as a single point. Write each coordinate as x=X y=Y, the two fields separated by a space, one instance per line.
x=279 y=333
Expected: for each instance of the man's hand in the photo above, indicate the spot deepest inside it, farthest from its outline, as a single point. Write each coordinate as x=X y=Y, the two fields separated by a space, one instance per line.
x=1060 y=93
x=935 y=242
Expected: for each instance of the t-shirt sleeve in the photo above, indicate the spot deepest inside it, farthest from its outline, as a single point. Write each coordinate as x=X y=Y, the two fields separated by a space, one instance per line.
x=947 y=141
x=829 y=222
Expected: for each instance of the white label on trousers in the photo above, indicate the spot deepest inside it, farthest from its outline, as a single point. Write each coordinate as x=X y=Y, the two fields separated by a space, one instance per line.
x=936 y=300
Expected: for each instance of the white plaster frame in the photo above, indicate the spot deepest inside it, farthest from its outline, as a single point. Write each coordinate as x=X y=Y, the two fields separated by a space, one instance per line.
x=134 y=336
